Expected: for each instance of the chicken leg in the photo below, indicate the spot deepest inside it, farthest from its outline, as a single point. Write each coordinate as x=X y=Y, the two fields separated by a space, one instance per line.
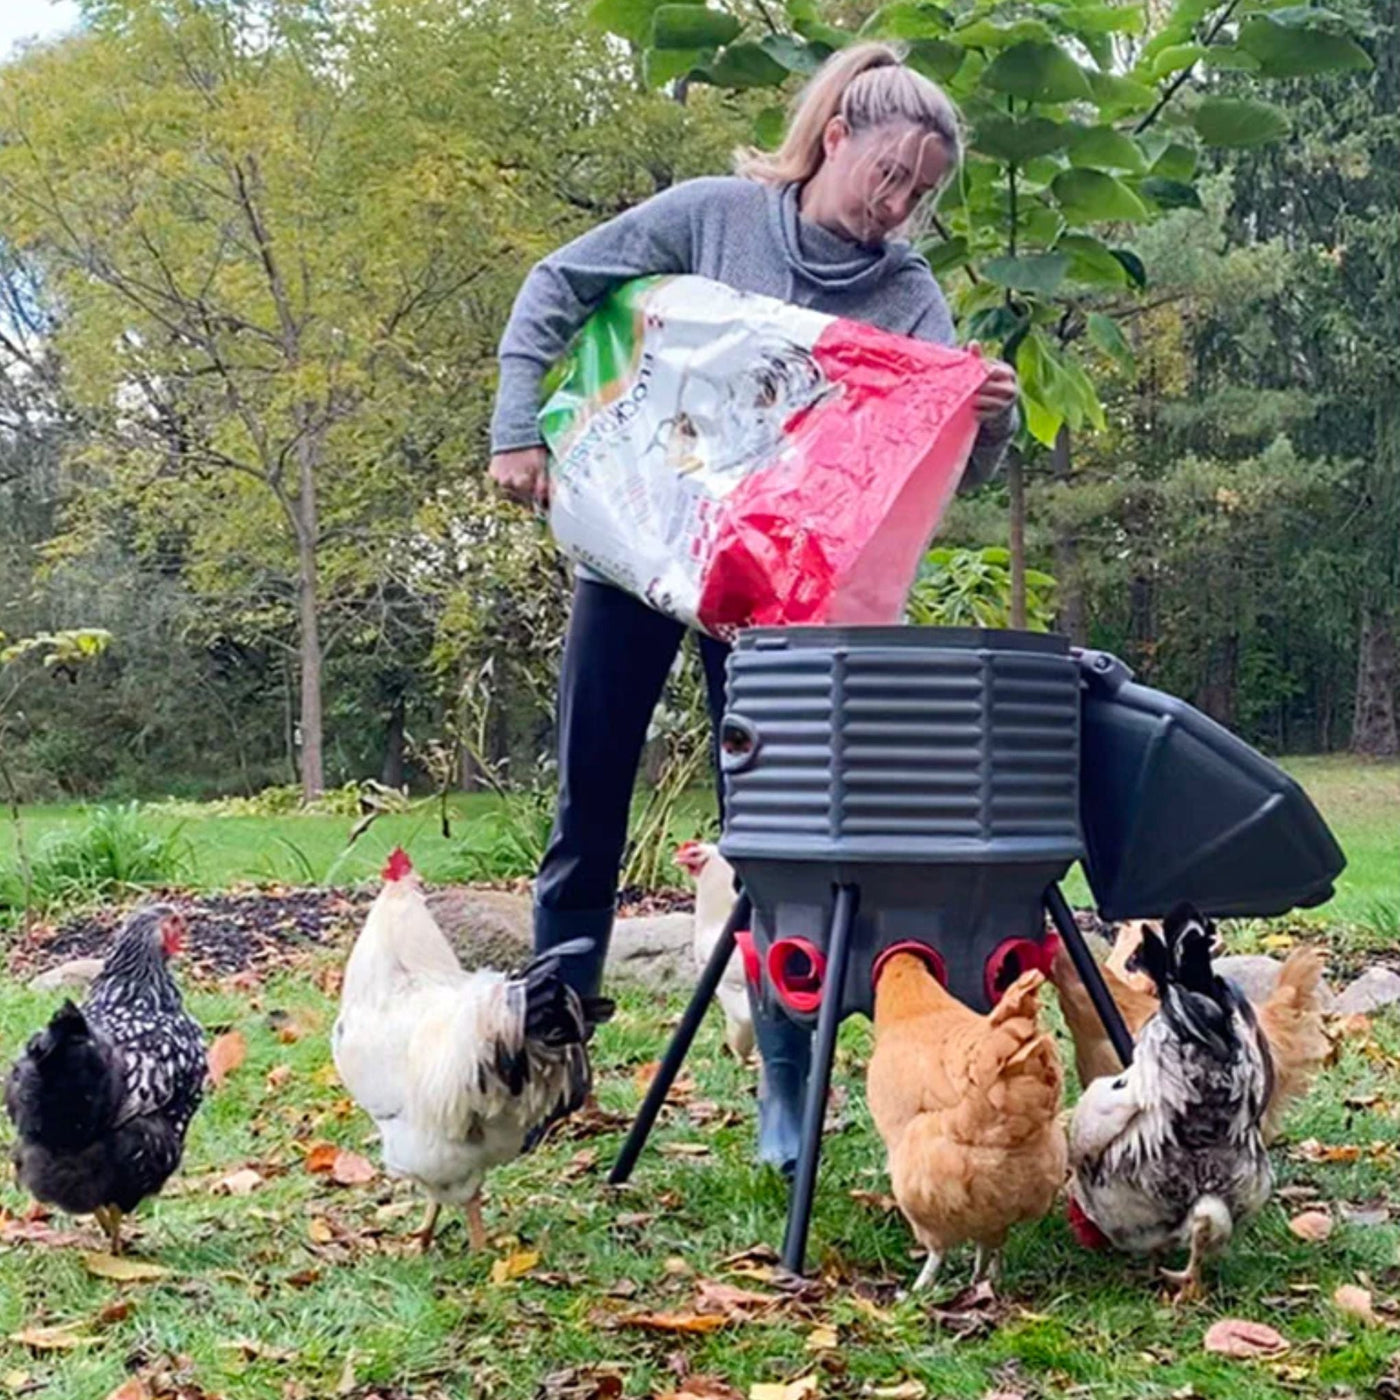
x=110 y=1219
x=429 y=1226
x=475 y=1229
x=928 y=1273
x=987 y=1267
x=1188 y=1280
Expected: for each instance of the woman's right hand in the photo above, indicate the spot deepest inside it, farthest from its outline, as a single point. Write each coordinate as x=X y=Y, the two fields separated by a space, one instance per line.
x=523 y=475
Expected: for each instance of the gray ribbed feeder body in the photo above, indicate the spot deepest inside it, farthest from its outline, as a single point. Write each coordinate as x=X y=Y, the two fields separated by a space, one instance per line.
x=935 y=768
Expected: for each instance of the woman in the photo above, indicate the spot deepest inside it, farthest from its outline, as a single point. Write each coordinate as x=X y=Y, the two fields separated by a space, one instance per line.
x=815 y=224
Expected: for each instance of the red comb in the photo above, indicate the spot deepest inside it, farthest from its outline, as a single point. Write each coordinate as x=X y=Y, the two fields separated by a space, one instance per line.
x=1085 y=1231
x=398 y=865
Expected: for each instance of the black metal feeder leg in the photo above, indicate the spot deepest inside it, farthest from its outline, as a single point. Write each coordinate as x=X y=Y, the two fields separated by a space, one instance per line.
x=1088 y=970
x=804 y=1183
x=739 y=918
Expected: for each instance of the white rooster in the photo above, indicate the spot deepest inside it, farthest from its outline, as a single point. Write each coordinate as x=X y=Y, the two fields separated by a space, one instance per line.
x=461 y=1071
x=714 y=900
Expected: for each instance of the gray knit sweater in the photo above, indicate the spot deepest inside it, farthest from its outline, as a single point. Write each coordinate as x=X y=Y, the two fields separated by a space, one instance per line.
x=747 y=235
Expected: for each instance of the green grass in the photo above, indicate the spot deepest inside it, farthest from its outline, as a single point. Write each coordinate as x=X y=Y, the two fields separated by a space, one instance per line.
x=261 y=1311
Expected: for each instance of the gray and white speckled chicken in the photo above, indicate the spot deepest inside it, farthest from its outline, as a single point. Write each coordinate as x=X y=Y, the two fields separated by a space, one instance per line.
x=1171 y=1153
x=461 y=1071
x=102 y=1097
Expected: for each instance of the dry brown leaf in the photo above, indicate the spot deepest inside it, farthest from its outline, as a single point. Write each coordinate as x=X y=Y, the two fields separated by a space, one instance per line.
x=118 y=1310
x=876 y=1199
x=16 y=1381
x=1311 y=1150
x=700 y=1387
x=320 y=1231
x=59 y=1338
x=303 y=1278
x=1355 y=1301
x=1233 y=1336
x=674 y=1321
x=712 y=1296
x=132 y=1388
x=225 y=1055
x=677 y=1267
x=800 y=1389
x=240 y=1183
x=685 y=1149
x=903 y=1390
x=821 y=1338
x=278 y=1076
x=514 y=1265
x=1311 y=1225
x=320 y=1156
x=121 y=1269
x=350 y=1169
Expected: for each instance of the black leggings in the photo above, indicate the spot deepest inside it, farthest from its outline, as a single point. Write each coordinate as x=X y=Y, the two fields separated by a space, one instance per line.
x=616 y=658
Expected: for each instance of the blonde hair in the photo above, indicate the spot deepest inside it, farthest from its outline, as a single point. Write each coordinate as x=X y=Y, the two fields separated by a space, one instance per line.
x=866 y=85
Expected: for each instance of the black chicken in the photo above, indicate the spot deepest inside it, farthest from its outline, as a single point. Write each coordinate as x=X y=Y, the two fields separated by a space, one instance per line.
x=101 y=1098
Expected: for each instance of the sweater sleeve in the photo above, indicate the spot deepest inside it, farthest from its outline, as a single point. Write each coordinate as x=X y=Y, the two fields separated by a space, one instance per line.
x=561 y=290
x=936 y=325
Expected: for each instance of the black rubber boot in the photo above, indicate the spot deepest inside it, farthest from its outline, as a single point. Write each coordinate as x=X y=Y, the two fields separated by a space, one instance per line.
x=583 y=971
x=786 y=1051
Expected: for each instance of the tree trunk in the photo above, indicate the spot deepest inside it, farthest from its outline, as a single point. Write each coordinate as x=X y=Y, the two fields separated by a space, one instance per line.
x=391 y=770
x=1072 y=619
x=1374 y=731
x=1016 y=484
x=313 y=777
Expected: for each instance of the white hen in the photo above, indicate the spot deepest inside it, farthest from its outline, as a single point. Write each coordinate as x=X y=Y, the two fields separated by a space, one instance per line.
x=460 y=1071
x=714 y=900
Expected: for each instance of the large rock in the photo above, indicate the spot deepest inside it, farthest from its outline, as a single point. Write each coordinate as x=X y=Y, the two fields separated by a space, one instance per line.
x=1256 y=975
x=75 y=975
x=493 y=928
x=1375 y=988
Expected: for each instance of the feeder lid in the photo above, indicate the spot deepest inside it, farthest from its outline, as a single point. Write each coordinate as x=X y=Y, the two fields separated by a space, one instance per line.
x=805 y=638
x=1175 y=807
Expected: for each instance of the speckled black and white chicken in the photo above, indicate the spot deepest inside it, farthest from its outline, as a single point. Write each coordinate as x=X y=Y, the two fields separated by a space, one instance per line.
x=1171 y=1153
x=102 y=1097
x=461 y=1071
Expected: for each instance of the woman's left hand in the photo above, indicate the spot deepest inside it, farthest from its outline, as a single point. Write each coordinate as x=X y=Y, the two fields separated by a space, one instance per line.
x=998 y=392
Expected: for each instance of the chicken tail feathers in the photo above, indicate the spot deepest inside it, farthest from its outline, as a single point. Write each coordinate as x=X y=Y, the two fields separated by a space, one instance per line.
x=65 y=1089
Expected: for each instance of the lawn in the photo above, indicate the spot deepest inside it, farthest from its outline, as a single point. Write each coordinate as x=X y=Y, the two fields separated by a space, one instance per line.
x=304 y=1288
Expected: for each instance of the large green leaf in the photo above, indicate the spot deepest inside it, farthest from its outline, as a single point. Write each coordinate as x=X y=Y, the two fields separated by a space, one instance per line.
x=792 y=53
x=1239 y=121
x=815 y=32
x=1091 y=261
x=1019 y=138
x=1116 y=96
x=632 y=19
x=944 y=253
x=692 y=27
x=908 y=19
x=1104 y=19
x=986 y=34
x=768 y=127
x=1105 y=333
x=1177 y=161
x=1105 y=148
x=1132 y=265
x=666 y=65
x=743 y=66
x=1040 y=274
x=1180 y=26
x=1170 y=194
x=1173 y=59
x=1037 y=72
x=934 y=58
x=1297 y=50
x=1091 y=197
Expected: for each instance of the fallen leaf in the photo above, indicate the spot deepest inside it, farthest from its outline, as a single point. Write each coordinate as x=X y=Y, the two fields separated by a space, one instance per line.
x=278 y=1076
x=514 y=1265
x=58 y=1338
x=118 y=1310
x=254 y=1350
x=904 y=1390
x=1376 y=1213
x=319 y=1230
x=1312 y=1225
x=122 y=1269
x=304 y=1278
x=821 y=1338
x=346 y=1384
x=240 y=1183
x=711 y=1296
x=685 y=1149
x=702 y=1388
x=677 y=1267
x=225 y=1055
x=320 y=1156
x=16 y=1381
x=674 y=1321
x=350 y=1169
x=1311 y=1150
x=1235 y=1337
x=799 y=1389
x=132 y=1388
x=1355 y=1302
